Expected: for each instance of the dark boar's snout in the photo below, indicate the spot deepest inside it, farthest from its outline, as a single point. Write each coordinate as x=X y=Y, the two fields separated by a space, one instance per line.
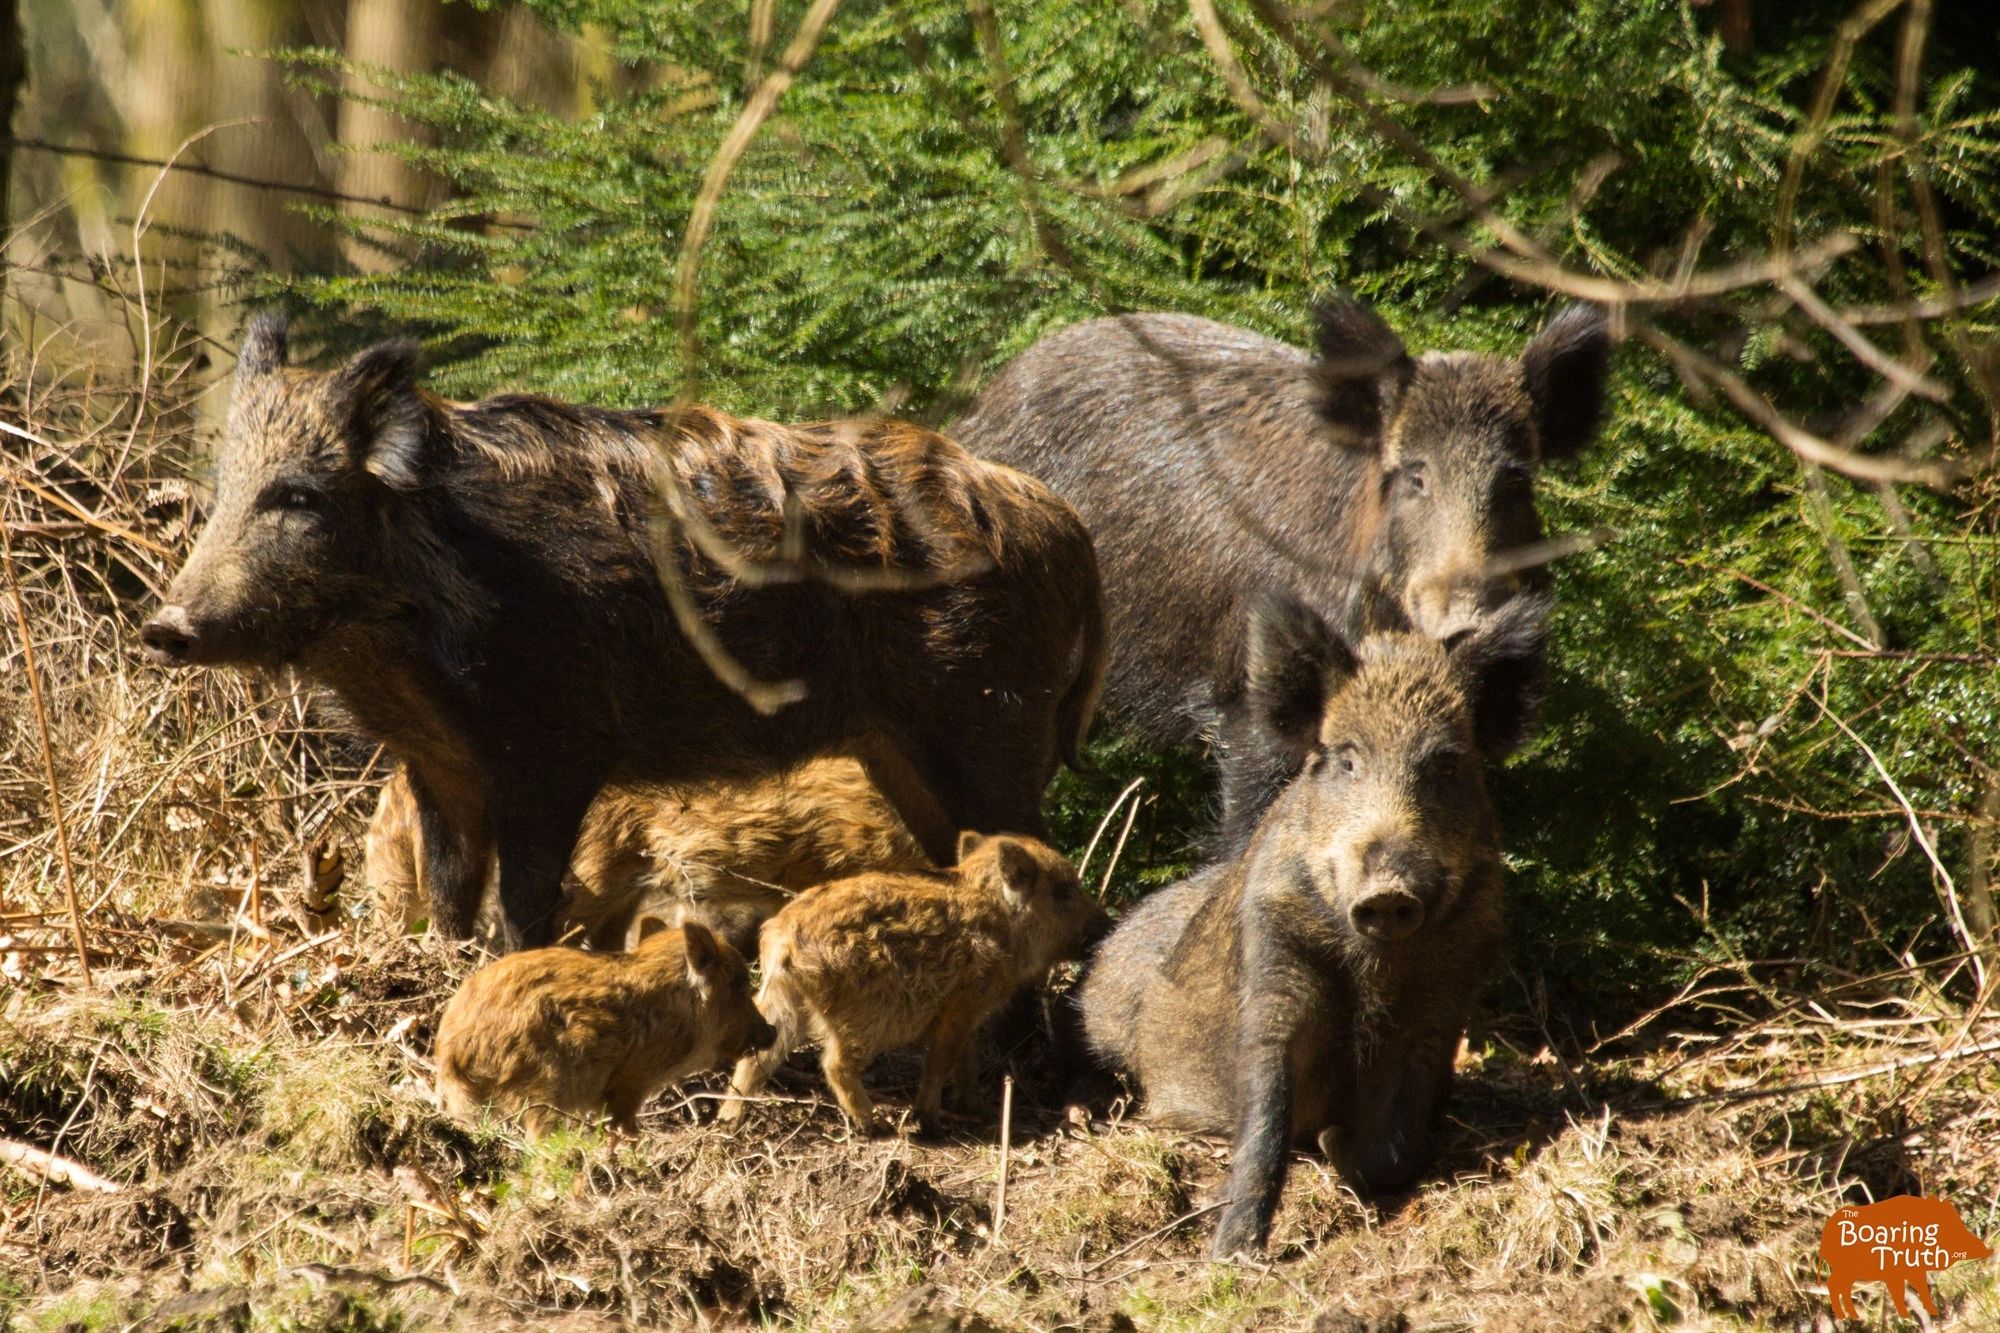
x=1399 y=880
x=1387 y=914
x=169 y=636
x=1443 y=606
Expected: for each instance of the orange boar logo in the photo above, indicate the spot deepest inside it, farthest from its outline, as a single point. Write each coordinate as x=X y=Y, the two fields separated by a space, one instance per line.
x=1896 y=1242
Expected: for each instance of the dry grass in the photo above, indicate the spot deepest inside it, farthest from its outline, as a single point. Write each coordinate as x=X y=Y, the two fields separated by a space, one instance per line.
x=253 y=1078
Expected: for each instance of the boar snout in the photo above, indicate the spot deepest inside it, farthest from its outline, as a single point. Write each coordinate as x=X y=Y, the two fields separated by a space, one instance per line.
x=1455 y=603
x=1388 y=915
x=762 y=1036
x=169 y=636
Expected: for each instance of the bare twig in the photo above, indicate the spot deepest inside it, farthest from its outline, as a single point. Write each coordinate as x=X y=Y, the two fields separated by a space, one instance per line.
x=1975 y=947
x=1006 y=1155
x=701 y=218
x=1698 y=366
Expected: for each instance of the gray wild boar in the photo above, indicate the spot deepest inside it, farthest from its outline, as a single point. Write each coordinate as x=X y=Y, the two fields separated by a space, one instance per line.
x=866 y=964
x=1313 y=989
x=477 y=585
x=1213 y=464
x=726 y=854
x=555 y=1035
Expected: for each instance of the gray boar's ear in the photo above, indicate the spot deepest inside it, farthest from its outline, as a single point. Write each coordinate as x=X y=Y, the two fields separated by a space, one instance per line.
x=1503 y=662
x=266 y=345
x=1018 y=872
x=377 y=392
x=1565 y=367
x=1296 y=662
x=1362 y=370
x=968 y=842
x=702 y=951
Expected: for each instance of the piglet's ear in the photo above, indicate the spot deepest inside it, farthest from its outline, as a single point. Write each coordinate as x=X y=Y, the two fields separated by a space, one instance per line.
x=1362 y=370
x=703 y=953
x=1504 y=664
x=266 y=345
x=968 y=843
x=1565 y=367
x=1018 y=871
x=648 y=926
x=376 y=393
x=1296 y=662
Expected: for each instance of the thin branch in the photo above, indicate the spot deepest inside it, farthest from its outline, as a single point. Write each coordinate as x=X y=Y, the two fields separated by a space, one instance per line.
x=1696 y=366
x=1974 y=946
x=11 y=142
x=701 y=219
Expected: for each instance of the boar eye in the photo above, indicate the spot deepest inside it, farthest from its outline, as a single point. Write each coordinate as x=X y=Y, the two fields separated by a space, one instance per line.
x=1344 y=759
x=1416 y=478
x=290 y=496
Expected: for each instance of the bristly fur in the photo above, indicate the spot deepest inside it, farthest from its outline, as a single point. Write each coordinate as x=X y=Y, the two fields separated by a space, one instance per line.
x=481 y=589
x=558 y=1034
x=1207 y=463
x=866 y=964
x=726 y=854
x=1261 y=997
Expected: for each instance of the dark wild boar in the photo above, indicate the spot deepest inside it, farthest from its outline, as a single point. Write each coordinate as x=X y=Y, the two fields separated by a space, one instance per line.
x=476 y=584
x=1211 y=464
x=555 y=1035
x=1313 y=989
x=726 y=854
x=866 y=964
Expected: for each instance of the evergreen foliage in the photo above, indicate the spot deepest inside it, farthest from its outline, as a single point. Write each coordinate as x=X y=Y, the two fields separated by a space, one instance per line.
x=875 y=250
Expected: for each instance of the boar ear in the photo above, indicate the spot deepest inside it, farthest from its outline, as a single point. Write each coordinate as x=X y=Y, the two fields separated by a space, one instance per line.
x=968 y=843
x=376 y=392
x=702 y=951
x=1565 y=367
x=1295 y=661
x=648 y=926
x=1361 y=371
x=1019 y=872
x=266 y=344
x=1503 y=662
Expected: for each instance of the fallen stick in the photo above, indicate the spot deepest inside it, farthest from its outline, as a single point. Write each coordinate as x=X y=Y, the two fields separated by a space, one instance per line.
x=33 y=1161
x=1006 y=1146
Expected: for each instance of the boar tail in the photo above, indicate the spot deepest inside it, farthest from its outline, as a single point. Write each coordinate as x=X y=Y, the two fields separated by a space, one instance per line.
x=1079 y=702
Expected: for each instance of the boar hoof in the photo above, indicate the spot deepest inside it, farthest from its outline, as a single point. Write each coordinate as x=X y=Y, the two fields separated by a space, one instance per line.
x=1236 y=1238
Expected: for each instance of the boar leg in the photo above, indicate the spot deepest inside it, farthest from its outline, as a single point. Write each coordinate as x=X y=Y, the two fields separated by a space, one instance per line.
x=911 y=793
x=1262 y=1150
x=457 y=848
x=1384 y=1148
x=537 y=833
x=843 y=1075
x=947 y=1052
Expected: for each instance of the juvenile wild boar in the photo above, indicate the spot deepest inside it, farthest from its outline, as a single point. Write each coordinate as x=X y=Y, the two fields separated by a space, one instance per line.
x=726 y=854
x=866 y=964
x=477 y=585
x=1314 y=988
x=556 y=1034
x=1212 y=464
